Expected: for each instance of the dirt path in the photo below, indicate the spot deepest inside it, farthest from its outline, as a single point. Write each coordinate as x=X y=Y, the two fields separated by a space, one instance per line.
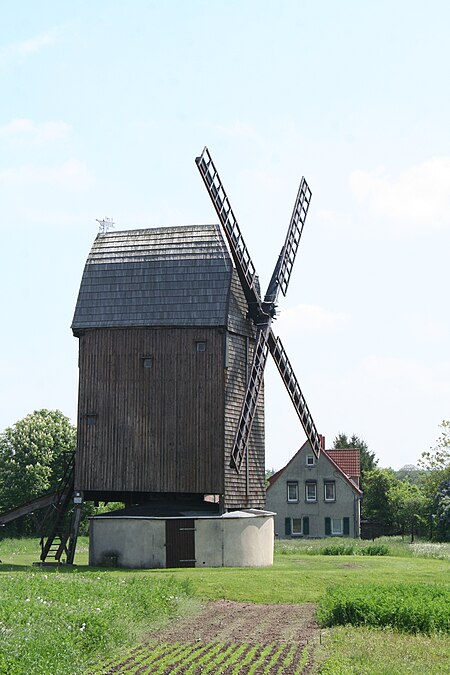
x=230 y=638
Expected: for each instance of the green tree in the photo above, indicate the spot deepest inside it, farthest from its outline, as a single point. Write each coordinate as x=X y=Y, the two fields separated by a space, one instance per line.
x=407 y=505
x=410 y=473
x=438 y=458
x=442 y=511
x=392 y=503
x=376 y=504
x=436 y=484
x=32 y=456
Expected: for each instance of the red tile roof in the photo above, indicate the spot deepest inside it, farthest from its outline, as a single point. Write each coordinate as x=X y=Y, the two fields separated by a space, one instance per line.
x=348 y=459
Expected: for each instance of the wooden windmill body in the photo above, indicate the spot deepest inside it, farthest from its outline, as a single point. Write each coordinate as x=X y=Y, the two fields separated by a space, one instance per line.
x=165 y=351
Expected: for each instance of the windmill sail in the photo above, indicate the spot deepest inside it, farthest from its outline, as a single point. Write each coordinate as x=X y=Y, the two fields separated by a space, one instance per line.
x=293 y=388
x=262 y=313
x=241 y=256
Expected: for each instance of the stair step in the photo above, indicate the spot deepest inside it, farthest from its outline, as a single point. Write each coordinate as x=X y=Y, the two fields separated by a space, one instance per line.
x=54 y=543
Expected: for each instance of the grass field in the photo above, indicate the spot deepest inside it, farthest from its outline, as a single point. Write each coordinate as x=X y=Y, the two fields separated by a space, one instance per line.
x=64 y=621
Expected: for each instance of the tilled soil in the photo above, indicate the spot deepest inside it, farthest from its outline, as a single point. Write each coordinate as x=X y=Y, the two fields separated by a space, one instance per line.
x=230 y=638
x=227 y=621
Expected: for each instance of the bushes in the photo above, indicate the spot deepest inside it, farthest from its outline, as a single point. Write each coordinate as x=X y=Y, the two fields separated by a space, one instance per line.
x=351 y=549
x=333 y=547
x=375 y=549
x=337 y=549
x=409 y=608
x=392 y=546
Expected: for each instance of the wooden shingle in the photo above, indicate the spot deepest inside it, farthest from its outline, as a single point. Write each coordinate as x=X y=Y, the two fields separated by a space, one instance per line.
x=177 y=276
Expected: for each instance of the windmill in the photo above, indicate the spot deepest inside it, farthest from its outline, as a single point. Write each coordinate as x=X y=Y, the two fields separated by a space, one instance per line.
x=173 y=341
x=262 y=311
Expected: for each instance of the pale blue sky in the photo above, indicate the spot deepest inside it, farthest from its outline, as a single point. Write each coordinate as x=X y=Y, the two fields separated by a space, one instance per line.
x=104 y=106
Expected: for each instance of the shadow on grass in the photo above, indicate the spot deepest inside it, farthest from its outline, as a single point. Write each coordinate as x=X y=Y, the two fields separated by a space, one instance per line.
x=66 y=569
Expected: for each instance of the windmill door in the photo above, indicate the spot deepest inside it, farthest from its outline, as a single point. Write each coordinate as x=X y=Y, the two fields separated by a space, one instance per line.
x=180 y=543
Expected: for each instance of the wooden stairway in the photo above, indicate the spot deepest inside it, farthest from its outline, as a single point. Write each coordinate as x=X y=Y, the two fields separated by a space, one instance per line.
x=58 y=534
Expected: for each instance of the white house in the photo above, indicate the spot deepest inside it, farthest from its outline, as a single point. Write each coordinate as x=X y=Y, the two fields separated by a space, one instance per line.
x=317 y=497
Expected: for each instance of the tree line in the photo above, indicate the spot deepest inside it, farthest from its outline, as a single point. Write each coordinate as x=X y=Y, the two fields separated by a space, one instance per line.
x=412 y=500
x=416 y=499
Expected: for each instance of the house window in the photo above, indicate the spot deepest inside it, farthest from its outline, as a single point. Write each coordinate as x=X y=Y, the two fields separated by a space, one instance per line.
x=329 y=490
x=309 y=460
x=311 y=491
x=292 y=491
x=336 y=526
x=200 y=346
x=91 y=419
x=296 y=526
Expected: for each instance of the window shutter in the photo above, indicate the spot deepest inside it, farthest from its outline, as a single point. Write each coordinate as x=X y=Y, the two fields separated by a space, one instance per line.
x=305 y=525
x=347 y=526
x=328 y=526
x=287 y=526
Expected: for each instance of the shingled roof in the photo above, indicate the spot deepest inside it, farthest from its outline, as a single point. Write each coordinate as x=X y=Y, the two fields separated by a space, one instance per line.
x=173 y=276
x=348 y=459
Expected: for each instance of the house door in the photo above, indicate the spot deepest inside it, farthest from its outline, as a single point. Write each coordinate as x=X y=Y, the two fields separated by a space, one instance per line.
x=180 y=543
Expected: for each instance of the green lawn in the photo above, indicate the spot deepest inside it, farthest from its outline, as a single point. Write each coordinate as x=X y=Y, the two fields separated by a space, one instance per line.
x=362 y=651
x=295 y=577
x=305 y=579
x=38 y=604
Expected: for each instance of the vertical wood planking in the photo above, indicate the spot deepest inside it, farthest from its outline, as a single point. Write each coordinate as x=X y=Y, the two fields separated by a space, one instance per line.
x=158 y=429
x=236 y=483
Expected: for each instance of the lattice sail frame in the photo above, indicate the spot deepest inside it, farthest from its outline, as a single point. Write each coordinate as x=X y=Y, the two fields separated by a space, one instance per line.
x=241 y=256
x=294 y=234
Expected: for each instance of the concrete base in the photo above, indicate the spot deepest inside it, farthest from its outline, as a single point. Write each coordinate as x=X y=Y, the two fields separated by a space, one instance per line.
x=236 y=539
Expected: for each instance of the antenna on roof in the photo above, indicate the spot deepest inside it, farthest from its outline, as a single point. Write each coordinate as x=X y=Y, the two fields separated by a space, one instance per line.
x=105 y=225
